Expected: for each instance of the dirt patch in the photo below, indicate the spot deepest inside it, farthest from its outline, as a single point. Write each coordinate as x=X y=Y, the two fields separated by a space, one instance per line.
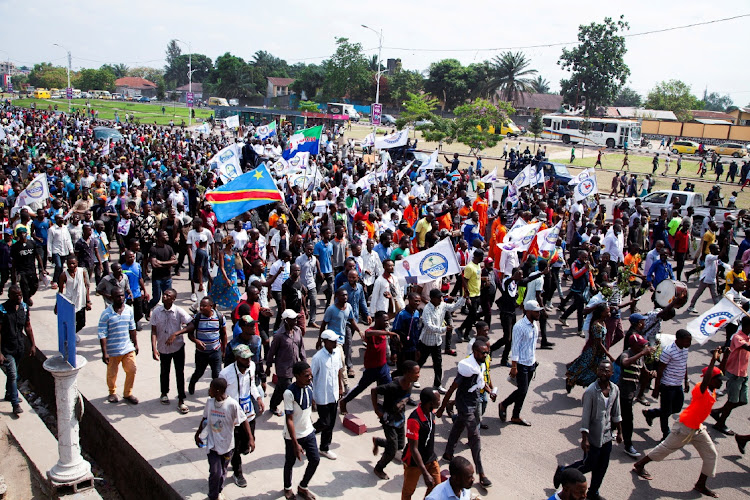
x=20 y=481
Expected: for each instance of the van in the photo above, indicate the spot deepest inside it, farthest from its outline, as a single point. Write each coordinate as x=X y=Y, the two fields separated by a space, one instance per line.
x=217 y=101
x=101 y=94
x=510 y=129
x=42 y=94
x=337 y=108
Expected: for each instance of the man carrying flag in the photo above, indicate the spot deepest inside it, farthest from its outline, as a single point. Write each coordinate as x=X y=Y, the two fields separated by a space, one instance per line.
x=250 y=190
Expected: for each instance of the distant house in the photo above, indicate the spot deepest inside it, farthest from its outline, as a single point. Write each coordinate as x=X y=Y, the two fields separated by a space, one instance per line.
x=632 y=112
x=741 y=116
x=712 y=116
x=526 y=103
x=197 y=91
x=278 y=86
x=135 y=85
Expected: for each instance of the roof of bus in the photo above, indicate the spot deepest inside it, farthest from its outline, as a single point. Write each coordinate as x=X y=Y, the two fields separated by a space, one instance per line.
x=597 y=118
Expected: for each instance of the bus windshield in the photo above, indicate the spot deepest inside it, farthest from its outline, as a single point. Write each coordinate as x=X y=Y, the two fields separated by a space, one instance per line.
x=635 y=132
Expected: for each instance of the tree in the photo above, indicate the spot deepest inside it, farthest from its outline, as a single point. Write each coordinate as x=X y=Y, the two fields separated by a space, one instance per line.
x=44 y=75
x=536 y=127
x=597 y=64
x=96 y=79
x=177 y=73
x=716 y=102
x=161 y=89
x=173 y=52
x=585 y=129
x=449 y=81
x=19 y=81
x=540 y=85
x=417 y=107
x=403 y=83
x=346 y=73
x=372 y=64
x=309 y=106
x=675 y=96
x=232 y=78
x=150 y=74
x=628 y=98
x=119 y=70
x=509 y=74
x=309 y=81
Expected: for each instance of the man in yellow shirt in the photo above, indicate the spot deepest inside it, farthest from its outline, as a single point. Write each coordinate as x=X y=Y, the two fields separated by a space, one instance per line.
x=423 y=227
x=736 y=272
x=709 y=238
x=472 y=279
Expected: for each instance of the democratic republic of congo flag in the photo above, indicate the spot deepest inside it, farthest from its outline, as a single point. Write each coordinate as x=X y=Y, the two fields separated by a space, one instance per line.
x=250 y=190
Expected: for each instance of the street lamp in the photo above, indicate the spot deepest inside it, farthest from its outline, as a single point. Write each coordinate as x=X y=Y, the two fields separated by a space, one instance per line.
x=69 y=90
x=380 y=48
x=190 y=79
x=10 y=75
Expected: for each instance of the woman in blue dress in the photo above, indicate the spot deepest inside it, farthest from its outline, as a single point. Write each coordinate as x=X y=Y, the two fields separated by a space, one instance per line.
x=582 y=371
x=224 y=290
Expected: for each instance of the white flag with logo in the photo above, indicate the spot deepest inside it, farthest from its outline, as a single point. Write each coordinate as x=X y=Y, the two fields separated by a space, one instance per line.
x=34 y=196
x=589 y=172
x=227 y=163
x=431 y=162
x=429 y=265
x=404 y=170
x=393 y=141
x=232 y=121
x=524 y=177
x=105 y=148
x=547 y=239
x=279 y=166
x=587 y=187
x=538 y=175
x=522 y=236
x=719 y=316
x=300 y=160
x=368 y=141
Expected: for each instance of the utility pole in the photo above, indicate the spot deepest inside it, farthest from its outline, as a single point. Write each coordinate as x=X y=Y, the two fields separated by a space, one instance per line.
x=190 y=82
x=68 y=90
x=380 y=48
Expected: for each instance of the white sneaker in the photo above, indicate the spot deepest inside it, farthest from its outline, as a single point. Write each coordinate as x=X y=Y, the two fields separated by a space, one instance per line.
x=193 y=298
x=417 y=385
x=329 y=455
x=442 y=390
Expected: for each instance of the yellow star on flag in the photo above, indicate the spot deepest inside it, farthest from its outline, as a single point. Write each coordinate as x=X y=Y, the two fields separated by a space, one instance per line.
x=258 y=174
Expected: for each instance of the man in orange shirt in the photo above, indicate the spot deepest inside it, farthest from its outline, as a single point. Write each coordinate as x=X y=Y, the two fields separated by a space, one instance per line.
x=480 y=206
x=411 y=213
x=690 y=429
x=497 y=233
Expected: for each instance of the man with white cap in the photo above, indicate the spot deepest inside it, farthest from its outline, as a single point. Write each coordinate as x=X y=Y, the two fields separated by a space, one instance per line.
x=286 y=349
x=523 y=361
x=241 y=387
x=328 y=385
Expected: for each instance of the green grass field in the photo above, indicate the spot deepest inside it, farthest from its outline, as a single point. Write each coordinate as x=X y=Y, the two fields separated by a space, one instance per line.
x=144 y=112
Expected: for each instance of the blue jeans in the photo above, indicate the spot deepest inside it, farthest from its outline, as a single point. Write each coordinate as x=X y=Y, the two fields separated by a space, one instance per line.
x=157 y=288
x=57 y=260
x=380 y=375
x=10 y=367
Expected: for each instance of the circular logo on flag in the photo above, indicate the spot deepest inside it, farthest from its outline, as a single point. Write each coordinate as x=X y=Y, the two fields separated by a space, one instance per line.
x=527 y=239
x=434 y=265
x=521 y=178
x=278 y=167
x=714 y=322
x=35 y=190
x=14 y=172
x=586 y=187
x=300 y=181
x=263 y=130
x=551 y=237
x=295 y=161
x=393 y=140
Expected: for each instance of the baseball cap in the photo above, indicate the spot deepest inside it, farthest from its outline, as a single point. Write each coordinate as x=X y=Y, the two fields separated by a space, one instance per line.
x=716 y=373
x=242 y=351
x=289 y=314
x=532 y=305
x=637 y=339
x=329 y=335
x=246 y=320
x=636 y=317
x=21 y=229
x=8 y=231
x=203 y=238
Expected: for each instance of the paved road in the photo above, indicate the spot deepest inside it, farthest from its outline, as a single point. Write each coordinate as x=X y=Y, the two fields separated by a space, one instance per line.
x=520 y=461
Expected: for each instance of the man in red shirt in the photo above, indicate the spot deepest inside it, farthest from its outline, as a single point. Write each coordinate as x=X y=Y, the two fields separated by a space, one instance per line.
x=681 y=247
x=736 y=368
x=419 y=455
x=376 y=363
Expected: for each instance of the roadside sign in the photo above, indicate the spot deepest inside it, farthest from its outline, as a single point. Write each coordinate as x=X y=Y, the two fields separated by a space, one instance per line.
x=69 y=93
x=377 y=111
x=10 y=85
x=66 y=329
x=189 y=99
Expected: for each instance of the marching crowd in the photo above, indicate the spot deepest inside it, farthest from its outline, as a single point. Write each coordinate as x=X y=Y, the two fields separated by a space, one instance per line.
x=118 y=220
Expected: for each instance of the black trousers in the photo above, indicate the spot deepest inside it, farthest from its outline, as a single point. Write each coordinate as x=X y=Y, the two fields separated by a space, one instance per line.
x=671 y=399
x=166 y=361
x=240 y=444
x=626 y=411
x=517 y=397
x=577 y=307
x=679 y=258
x=325 y=424
x=507 y=321
x=471 y=318
x=282 y=383
x=393 y=441
x=470 y=422
x=435 y=352
x=595 y=461
x=202 y=361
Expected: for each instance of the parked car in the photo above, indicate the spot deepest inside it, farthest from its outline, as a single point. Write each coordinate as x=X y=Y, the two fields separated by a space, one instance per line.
x=685 y=147
x=387 y=120
x=55 y=95
x=420 y=123
x=117 y=96
x=143 y=98
x=730 y=148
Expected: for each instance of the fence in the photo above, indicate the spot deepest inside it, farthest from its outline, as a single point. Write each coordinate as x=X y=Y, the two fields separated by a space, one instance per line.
x=699 y=132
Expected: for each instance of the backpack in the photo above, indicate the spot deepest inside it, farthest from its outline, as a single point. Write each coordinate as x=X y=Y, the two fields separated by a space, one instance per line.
x=616 y=372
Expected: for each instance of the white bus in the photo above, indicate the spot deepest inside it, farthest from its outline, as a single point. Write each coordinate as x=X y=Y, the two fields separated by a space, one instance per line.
x=609 y=132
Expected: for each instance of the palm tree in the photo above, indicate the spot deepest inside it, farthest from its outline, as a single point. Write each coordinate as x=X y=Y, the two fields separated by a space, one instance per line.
x=509 y=73
x=540 y=85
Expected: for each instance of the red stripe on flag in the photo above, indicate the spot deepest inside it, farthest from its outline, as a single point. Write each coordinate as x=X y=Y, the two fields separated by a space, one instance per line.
x=250 y=194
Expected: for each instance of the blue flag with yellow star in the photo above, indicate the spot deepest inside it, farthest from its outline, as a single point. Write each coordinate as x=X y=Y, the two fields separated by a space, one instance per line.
x=250 y=190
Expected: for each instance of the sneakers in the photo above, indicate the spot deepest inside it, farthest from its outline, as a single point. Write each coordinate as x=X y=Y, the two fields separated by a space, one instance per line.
x=193 y=298
x=17 y=410
x=239 y=480
x=441 y=389
x=417 y=385
x=649 y=417
x=328 y=454
x=691 y=310
x=632 y=452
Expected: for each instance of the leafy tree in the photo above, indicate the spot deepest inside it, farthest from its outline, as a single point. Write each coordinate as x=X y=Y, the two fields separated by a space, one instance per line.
x=296 y=68
x=372 y=64
x=150 y=74
x=173 y=52
x=19 y=81
x=597 y=64
x=119 y=70
x=449 y=81
x=417 y=107
x=585 y=129
x=347 y=72
x=309 y=106
x=44 y=75
x=628 y=98
x=479 y=75
x=231 y=78
x=716 y=102
x=96 y=79
x=403 y=83
x=675 y=96
x=536 y=127
x=177 y=73
x=510 y=74
x=270 y=65
x=161 y=89
x=309 y=81
x=540 y=85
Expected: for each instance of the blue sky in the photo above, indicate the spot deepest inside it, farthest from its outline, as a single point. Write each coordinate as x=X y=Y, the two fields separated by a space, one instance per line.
x=136 y=33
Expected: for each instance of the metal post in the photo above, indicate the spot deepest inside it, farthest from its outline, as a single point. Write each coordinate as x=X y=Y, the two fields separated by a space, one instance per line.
x=190 y=83
x=69 y=64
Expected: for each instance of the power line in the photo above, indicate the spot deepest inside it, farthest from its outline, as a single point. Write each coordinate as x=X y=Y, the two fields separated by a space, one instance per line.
x=559 y=44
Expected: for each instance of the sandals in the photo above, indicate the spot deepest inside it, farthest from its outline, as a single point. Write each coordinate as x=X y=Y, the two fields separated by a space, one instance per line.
x=503 y=413
x=113 y=398
x=131 y=399
x=642 y=473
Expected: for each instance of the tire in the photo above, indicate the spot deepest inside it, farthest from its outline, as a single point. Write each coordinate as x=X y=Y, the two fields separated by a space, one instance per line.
x=611 y=143
x=648 y=145
x=735 y=154
x=566 y=139
x=675 y=152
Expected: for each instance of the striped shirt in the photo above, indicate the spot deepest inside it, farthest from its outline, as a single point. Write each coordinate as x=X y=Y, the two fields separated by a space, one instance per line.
x=523 y=346
x=433 y=320
x=207 y=330
x=116 y=329
x=676 y=361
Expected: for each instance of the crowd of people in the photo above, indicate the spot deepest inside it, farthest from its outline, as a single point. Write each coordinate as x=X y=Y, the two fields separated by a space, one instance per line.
x=263 y=281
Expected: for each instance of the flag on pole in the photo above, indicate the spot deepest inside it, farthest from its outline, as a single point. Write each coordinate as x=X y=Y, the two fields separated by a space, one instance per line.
x=204 y=128
x=430 y=164
x=250 y=190
x=34 y=196
x=105 y=148
x=227 y=163
x=429 y=265
x=279 y=166
x=305 y=140
x=232 y=121
x=522 y=236
x=547 y=239
x=719 y=316
x=525 y=177
x=393 y=141
x=368 y=141
x=538 y=175
x=587 y=187
x=589 y=172
x=299 y=160
x=404 y=170
x=266 y=131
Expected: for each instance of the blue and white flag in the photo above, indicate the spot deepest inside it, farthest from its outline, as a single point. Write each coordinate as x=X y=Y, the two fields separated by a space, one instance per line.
x=430 y=164
x=719 y=316
x=301 y=160
x=368 y=141
x=396 y=140
x=547 y=239
x=525 y=177
x=589 y=172
x=429 y=265
x=266 y=131
x=226 y=163
x=587 y=187
x=538 y=175
x=522 y=236
x=306 y=140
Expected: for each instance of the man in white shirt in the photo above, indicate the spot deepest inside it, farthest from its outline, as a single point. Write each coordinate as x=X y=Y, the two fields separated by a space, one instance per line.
x=614 y=242
x=328 y=374
x=59 y=246
x=708 y=277
x=458 y=486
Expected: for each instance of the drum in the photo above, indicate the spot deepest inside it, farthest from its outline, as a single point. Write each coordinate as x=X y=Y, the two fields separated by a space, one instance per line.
x=669 y=291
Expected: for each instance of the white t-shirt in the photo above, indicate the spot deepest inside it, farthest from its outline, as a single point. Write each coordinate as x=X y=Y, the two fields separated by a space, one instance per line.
x=194 y=236
x=302 y=417
x=240 y=386
x=532 y=288
x=283 y=275
x=222 y=417
x=240 y=239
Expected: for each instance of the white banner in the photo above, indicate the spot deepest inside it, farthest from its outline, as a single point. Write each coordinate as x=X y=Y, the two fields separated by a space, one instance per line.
x=539 y=175
x=429 y=265
x=393 y=141
x=205 y=128
x=279 y=166
x=587 y=187
x=232 y=121
x=547 y=239
x=522 y=236
x=368 y=141
x=227 y=163
x=431 y=162
x=404 y=170
x=524 y=177
x=589 y=172
x=719 y=316
x=301 y=160
x=513 y=195
x=34 y=196
x=105 y=148
x=367 y=181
